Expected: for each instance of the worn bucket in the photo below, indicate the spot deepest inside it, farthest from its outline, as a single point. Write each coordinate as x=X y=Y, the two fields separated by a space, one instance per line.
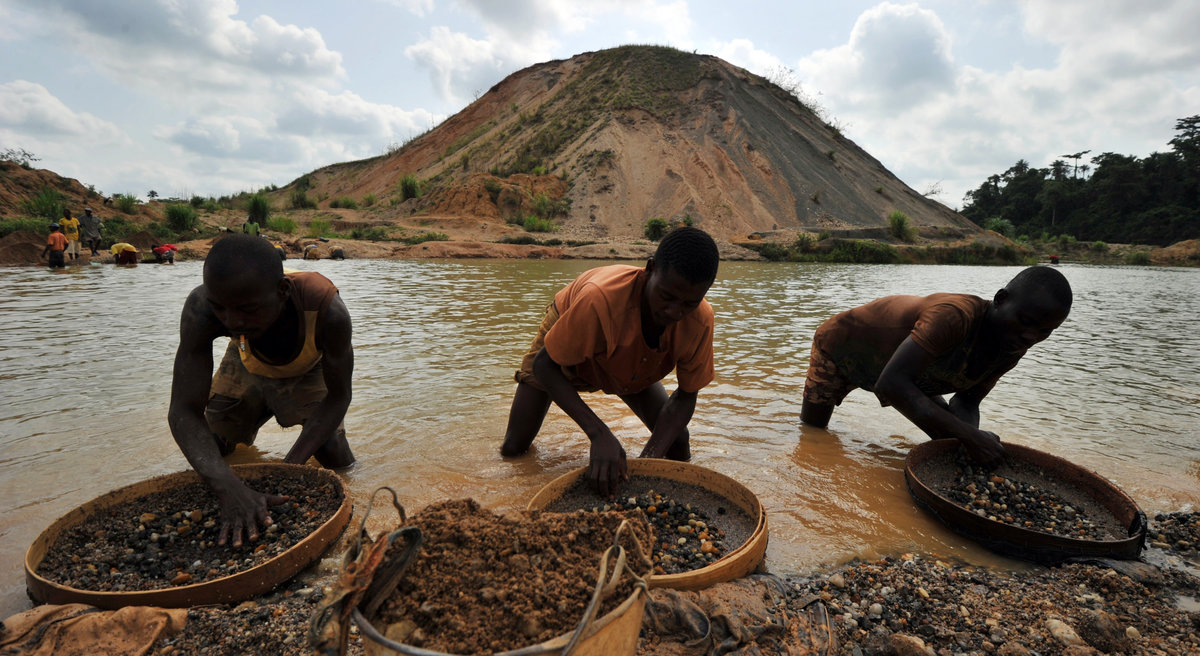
x=228 y=589
x=737 y=563
x=932 y=463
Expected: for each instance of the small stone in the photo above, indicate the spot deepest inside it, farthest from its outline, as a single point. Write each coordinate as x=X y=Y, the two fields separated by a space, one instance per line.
x=1132 y=633
x=1063 y=633
x=146 y=518
x=837 y=581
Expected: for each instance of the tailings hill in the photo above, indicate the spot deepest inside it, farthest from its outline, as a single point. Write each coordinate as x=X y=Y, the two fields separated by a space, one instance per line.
x=606 y=140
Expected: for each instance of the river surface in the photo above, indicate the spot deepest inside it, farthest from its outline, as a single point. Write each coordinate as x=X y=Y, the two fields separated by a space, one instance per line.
x=86 y=357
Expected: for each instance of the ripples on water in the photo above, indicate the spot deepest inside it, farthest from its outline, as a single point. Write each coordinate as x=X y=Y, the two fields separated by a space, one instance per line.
x=86 y=355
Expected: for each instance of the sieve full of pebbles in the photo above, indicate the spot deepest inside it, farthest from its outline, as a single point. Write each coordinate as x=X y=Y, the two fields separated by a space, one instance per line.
x=1004 y=495
x=693 y=527
x=169 y=538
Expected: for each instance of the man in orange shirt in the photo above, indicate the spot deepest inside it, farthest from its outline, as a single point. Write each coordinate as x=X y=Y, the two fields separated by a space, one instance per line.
x=910 y=350
x=621 y=329
x=56 y=246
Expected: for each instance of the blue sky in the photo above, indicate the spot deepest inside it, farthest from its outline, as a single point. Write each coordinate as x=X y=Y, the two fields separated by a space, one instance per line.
x=214 y=97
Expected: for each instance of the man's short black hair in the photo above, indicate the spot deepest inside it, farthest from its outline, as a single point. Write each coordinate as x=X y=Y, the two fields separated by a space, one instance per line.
x=237 y=255
x=690 y=252
x=1043 y=278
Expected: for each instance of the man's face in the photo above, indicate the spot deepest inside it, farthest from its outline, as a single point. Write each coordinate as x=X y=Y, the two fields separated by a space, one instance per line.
x=246 y=305
x=671 y=297
x=1022 y=320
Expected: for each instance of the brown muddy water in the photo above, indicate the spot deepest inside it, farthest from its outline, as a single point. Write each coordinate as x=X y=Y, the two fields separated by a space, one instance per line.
x=85 y=373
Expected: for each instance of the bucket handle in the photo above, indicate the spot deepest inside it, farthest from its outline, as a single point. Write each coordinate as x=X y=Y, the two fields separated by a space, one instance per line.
x=605 y=584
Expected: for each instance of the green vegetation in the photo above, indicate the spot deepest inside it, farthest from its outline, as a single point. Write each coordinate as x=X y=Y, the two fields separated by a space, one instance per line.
x=284 y=224
x=1138 y=258
x=368 y=200
x=318 y=228
x=531 y=240
x=344 y=202
x=424 y=237
x=900 y=228
x=1002 y=226
x=655 y=228
x=410 y=187
x=1114 y=198
x=537 y=224
x=126 y=203
x=301 y=201
x=24 y=224
x=46 y=204
x=181 y=218
x=373 y=233
x=258 y=208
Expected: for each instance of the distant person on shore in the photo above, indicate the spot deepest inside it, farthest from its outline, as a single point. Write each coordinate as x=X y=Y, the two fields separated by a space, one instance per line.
x=164 y=253
x=91 y=229
x=251 y=228
x=312 y=252
x=910 y=350
x=337 y=254
x=56 y=246
x=124 y=253
x=289 y=356
x=621 y=329
x=70 y=228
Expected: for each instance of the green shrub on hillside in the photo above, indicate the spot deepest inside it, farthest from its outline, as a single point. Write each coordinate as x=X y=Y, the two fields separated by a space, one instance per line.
x=368 y=200
x=1002 y=226
x=258 y=208
x=182 y=218
x=37 y=226
x=318 y=228
x=284 y=224
x=863 y=251
x=46 y=204
x=655 y=228
x=301 y=201
x=899 y=227
x=409 y=187
x=125 y=202
x=373 y=233
x=535 y=224
x=424 y=237
x=1137 y=258
x=344 y=202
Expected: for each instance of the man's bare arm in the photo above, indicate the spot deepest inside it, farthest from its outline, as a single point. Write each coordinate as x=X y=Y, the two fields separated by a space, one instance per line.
x=242 y=509
x=337 y=367
x=676 y=415
x=897 y=386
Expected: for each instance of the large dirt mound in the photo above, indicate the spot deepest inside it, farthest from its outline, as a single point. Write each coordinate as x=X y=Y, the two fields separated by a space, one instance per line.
x=606 y=140
x=21 y=248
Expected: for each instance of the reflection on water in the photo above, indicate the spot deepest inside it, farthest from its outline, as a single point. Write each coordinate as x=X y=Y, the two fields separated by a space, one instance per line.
x=85 y=364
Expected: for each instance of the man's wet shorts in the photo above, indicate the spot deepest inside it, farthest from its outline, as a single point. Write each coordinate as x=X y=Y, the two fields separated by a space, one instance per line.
x=824 y=384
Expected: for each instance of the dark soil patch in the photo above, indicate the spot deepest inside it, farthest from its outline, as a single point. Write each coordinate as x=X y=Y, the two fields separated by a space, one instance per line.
x=485 y=582
x=169 y=538
x=693 y=526
x=1022 y=495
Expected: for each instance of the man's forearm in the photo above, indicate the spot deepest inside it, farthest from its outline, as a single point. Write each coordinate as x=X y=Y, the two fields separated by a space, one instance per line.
x=675 y=416
x=199 y=446
x=318 y=430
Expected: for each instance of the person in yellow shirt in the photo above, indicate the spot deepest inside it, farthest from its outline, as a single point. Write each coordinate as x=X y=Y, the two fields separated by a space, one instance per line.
x=70 y=229
x=124 y=253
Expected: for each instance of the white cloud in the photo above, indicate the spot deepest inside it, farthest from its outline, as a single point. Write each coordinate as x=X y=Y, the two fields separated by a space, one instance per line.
x=459 y=66
x=31 y=108
x=189 y=48
x=415 y=7
x=348 y=115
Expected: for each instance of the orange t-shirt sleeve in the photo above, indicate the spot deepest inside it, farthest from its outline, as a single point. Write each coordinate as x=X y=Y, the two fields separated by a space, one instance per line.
x=694 y=367
x=940 y=328
x=581 y=331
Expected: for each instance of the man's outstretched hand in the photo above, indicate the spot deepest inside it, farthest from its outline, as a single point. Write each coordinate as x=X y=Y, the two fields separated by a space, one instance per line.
x=983 y=447
x=607 y=466
x=243 y=510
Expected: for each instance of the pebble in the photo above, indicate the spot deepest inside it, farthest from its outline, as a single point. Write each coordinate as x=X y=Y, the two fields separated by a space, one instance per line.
x=1063 y=633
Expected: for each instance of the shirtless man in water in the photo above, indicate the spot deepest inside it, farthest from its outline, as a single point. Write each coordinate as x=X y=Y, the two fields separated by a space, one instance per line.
x=910 y=350
x=289 y=357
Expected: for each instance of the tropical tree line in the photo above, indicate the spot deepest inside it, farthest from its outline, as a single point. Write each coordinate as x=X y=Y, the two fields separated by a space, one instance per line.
x=1108 y=197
